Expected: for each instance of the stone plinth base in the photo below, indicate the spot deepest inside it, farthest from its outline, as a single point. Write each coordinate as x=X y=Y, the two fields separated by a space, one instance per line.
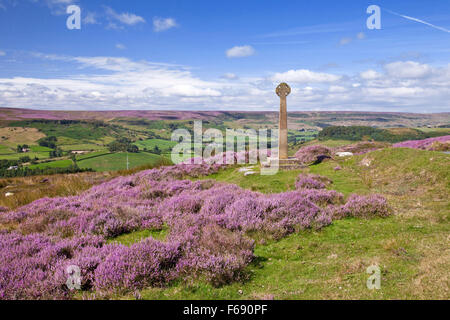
x=283 y=164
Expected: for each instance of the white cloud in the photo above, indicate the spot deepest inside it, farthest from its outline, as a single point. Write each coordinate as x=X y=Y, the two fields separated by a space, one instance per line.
x=2 y=53
x=57 y=7
x=124 y=18
x=337 y=89
x=370 y=75
x=230 y=76
x=240 y=52
x=107 y=83
x=396 y=92
x=408 y=69
x=120 y=46
x=163 y=24
x=305 y=76
x=90 y=18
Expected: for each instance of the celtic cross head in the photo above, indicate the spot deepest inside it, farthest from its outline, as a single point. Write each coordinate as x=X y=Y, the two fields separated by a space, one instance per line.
x=283 y=90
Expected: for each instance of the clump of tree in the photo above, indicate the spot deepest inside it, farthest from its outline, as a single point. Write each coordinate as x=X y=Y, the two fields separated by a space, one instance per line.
x=359 y=133
x=121 y=145
x=56 y=153
x=25 y=159
x=156 y=150
x=49 y=142
x=26 y=172
x=5 y=164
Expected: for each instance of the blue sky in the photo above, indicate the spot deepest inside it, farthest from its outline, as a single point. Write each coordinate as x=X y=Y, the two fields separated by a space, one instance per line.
x=228 y=55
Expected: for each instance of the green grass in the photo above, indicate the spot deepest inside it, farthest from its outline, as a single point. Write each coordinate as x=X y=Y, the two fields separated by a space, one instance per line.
x=137 y=236
x=83 y=147
x=53 y=164
x=152 y=143
x=7 y=153
x=40 y=149
x=118 y=161
x=5 y=149
x=91 y=155
x=32 y=155
x=440 y=130
x=282 y=181
x=410 y=247
x=329 y=264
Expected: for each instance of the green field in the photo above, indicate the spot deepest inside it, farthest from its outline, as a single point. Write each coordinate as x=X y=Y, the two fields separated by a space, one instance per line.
x=53 y=164
x=17 y=156
x=118 y=161
x=40 y=149
x=91 y=155
x=82 y=147
x=4 y=149
x=7 y=153
x=163 y=145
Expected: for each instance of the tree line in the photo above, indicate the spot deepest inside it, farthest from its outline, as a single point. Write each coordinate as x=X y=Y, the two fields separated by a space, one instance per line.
x=358 y=133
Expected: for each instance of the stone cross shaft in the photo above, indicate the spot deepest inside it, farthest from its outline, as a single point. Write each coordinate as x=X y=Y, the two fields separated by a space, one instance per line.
x=283 y=90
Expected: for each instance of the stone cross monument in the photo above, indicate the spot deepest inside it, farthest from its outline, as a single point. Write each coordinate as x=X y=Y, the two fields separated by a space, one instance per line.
x=283 y=90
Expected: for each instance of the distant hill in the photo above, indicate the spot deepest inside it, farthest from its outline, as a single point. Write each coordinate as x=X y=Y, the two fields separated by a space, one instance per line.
x=297 y=120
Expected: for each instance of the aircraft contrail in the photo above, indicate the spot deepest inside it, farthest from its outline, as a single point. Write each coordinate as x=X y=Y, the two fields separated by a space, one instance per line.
x=418 y=20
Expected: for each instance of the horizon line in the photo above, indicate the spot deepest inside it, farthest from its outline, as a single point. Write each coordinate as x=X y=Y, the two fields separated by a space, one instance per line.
x=234 y=111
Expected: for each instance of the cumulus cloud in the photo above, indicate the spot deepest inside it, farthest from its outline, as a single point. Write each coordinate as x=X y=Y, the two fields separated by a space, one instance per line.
x=407 y=69
x=105 y=83
x=304 y=76
x=163 y=24
x=124 y=18
x=369 y=75
x=240 y=52
x=119 y=83
x=337 y=89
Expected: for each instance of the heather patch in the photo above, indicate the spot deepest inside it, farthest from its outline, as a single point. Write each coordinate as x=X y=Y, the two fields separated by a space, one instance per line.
x=313 y=154
x=364 y=207
x=312 y=181
x=209 y=226
x=436 y=144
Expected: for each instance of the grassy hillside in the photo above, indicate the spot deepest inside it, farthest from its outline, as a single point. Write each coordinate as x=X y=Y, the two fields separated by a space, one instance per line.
x=411 y=247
